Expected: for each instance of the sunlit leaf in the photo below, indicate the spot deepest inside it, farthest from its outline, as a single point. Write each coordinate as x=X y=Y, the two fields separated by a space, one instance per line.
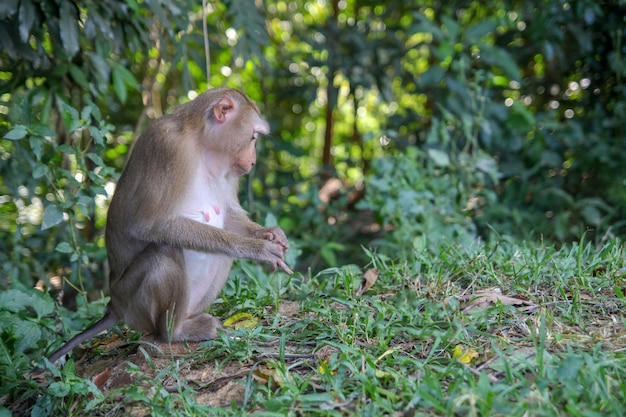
x=464 y=354
x=51 y=217
x=242 y=321
x=17 y=133
x=440 y=158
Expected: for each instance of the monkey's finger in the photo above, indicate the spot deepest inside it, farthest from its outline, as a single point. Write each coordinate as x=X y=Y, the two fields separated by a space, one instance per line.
x=284 y=267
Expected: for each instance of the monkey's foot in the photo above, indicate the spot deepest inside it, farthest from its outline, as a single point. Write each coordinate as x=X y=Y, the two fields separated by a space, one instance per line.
x=199 y=328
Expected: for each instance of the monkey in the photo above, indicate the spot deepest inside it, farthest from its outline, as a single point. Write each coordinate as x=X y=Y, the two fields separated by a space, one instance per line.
x=175 y=224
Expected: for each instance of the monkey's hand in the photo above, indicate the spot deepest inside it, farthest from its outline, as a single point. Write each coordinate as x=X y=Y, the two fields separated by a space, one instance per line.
x=273 y=234
x=276 y=252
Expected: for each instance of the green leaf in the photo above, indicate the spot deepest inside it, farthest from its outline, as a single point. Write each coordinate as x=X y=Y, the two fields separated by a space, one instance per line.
x=480 y=29
x=68 y=26
x=28 y=334
x=118 y=85
x=64 y=247
x=59 y=389
x=14 y=300
x=270 y=220
x=40 y=170
x=452 y=27
x=121 y=79
x=432 y=77
x=51 y=217
x=26 y=19
x=43 y=304
x=70 y=115
x=95 y=158
x=8 y=8
x=440 y=158
x=41 y=129
x=79 y=76
x=500 y=58
x=17 y=133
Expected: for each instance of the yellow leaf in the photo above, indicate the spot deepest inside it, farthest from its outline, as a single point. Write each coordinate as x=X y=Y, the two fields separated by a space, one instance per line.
x=463 y=354
x=242 y=321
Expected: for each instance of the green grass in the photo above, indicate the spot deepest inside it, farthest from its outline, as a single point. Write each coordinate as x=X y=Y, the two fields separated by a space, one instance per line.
x=320 y=349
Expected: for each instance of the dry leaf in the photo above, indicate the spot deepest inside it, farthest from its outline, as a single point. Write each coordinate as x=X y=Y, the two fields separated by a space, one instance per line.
x=100 y=379
x=289 y=308
x=325 y=352
x=486 y=298
x=369 y=278
x=242 y=321
x=266 y=375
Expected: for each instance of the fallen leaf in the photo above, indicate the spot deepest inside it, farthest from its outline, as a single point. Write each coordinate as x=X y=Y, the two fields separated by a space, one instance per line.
x=267 y=375
x=369 y=278
x=325 y=352
x=463 y=354
x=485 y=298
x=242 y=321
x=289 y=308
x=100 y=379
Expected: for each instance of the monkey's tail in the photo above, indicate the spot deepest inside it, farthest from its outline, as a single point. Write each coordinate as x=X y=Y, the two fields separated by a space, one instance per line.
x=105 y=323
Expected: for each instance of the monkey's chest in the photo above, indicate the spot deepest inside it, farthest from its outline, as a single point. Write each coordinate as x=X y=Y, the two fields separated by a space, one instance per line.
x=208 y=213
x=204 y=203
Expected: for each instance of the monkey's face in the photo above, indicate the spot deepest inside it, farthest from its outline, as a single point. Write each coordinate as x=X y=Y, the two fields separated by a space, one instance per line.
x=246 y=157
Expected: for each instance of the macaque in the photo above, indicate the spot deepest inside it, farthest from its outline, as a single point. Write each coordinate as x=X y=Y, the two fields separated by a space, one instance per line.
x=175 y=224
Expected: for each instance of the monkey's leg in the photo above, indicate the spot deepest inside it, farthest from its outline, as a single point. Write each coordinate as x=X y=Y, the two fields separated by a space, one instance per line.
x=206 y=276
x=153 y=296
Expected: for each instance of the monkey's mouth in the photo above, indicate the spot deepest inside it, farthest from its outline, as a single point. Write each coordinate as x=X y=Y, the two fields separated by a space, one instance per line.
x=244 y=170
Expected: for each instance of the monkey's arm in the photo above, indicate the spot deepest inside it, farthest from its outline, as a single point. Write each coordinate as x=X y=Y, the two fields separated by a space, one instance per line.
x=238 y=222
x=184 y=233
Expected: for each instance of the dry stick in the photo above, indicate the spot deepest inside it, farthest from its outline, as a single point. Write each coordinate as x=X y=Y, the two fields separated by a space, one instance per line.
x=206 y=44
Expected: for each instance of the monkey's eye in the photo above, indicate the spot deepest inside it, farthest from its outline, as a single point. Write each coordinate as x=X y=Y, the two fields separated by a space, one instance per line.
x=255 y=136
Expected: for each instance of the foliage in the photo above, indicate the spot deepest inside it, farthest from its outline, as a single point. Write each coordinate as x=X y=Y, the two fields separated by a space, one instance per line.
x=60 y=194
x=554 y=351
x=475 y=77
x=444 y=124
x=426 y=199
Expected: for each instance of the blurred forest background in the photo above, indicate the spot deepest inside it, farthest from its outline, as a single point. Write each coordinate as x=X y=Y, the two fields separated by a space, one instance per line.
x=398 y=126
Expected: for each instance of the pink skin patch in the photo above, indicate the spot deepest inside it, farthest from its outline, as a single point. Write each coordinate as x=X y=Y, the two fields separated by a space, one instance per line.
x=206 y=215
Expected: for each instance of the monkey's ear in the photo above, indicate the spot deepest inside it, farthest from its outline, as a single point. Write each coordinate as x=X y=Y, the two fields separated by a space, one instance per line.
x=223 y=109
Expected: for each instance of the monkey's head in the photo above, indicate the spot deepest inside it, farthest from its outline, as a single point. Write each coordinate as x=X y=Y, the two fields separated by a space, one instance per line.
x=230 y=127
